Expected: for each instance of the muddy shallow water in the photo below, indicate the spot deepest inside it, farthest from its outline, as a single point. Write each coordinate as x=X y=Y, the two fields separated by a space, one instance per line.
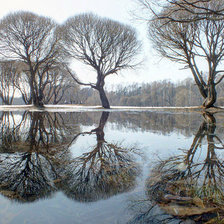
x=111 y=167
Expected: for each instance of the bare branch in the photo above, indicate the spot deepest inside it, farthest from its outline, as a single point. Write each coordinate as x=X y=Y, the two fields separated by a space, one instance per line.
x=219 y=80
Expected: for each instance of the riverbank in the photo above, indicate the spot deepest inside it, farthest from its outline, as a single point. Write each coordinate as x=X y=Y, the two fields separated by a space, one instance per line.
x=72 y=107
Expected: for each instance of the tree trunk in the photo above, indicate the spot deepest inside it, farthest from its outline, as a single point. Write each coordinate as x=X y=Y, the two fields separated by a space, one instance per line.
x=40 y=98
x=37 y=102
x=200 y=84
x=211 y=97
x=35 y=98
x=33 y=95
x=103 y=98
x=99 y=130
x=211 y=159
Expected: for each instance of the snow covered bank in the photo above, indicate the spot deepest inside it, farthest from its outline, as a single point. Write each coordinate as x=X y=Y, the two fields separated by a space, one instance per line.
x=80 y=108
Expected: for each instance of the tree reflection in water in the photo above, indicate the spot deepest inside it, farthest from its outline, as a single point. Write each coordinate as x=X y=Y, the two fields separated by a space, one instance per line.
x=189 y=186
x=107 y=169
x=29 y=150
x=36 y=161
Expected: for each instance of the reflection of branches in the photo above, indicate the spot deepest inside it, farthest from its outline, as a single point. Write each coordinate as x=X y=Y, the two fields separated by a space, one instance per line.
x=211 y=168
x=187 y=183
x=144 y=211
x=186 y=186
x=39 y=163
x=9 y=131
x=106 y=170
x=39 y=130
x=33 y=145
x=26 y=176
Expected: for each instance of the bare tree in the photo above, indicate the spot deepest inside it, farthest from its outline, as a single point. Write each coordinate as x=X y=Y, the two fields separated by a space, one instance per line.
x=58 y=83
x=105 y=45
x=31 y=39
x=8 y=77
x=196 y=44
x=22 y=85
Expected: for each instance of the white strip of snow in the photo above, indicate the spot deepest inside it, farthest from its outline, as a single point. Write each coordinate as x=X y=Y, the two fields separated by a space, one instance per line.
x=80 y=108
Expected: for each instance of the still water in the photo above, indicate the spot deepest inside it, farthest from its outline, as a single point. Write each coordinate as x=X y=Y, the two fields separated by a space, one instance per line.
x=117 y=167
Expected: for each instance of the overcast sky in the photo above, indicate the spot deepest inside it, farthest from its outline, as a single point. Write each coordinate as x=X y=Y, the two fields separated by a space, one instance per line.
x=153 y=67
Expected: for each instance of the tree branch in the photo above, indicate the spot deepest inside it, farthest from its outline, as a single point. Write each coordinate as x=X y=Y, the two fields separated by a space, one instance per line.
x=219 y=80
x=77 y=80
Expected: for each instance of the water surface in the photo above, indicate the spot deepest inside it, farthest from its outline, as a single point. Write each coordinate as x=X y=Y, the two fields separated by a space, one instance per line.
x=117 y=167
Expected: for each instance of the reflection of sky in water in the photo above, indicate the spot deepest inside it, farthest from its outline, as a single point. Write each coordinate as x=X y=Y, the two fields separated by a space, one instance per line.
x=153 y=145
x=150 y=143
x=84 y=142
x=60 y=209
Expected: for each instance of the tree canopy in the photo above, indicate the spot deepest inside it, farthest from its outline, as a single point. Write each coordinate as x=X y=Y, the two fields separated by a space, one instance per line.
x=105 y=45
x=32 y=39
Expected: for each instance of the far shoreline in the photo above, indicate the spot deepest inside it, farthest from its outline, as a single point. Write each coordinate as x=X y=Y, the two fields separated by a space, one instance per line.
x=82 y=108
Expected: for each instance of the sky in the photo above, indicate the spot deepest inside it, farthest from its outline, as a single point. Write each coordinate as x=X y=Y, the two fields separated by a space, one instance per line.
x=153 y=67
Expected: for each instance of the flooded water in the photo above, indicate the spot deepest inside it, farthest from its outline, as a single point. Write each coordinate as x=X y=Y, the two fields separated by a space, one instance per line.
x=117 y=167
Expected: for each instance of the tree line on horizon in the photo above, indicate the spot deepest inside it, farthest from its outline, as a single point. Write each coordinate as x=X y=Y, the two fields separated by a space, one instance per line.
x=36 y=53
x=155 y=94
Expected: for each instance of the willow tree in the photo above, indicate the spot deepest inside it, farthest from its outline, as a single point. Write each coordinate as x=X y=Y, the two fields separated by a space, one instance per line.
x=199 y=45
x=105 y=45
x=32 y=39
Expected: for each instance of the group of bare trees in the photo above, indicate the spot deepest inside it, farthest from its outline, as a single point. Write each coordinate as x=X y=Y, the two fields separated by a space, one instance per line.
x=154 y=94
x=37 y=52
x=32 y=40
x=40 y=52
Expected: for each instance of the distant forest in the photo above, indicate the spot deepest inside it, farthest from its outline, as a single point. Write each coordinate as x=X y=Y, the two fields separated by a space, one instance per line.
x=156 y=94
